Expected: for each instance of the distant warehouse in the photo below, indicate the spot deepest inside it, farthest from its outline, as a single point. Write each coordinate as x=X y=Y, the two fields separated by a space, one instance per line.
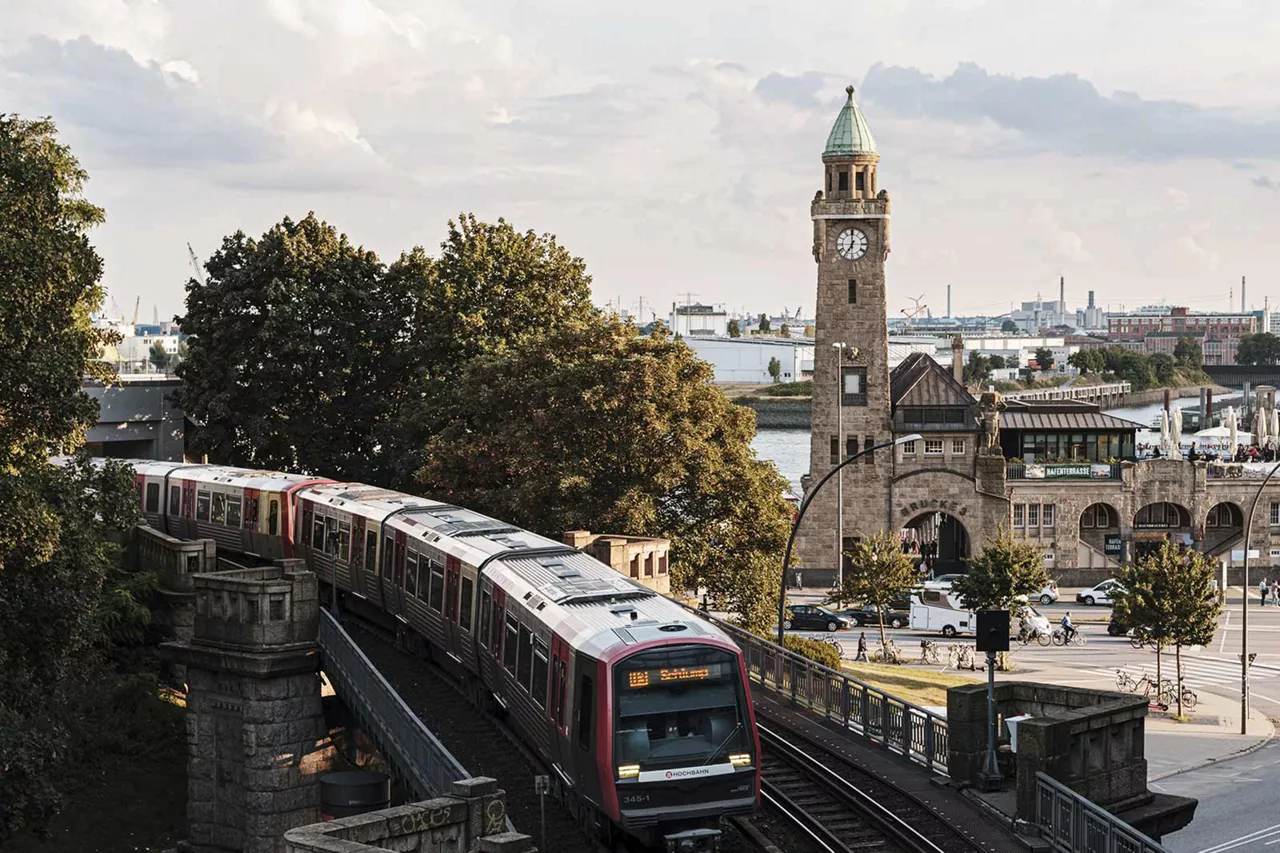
x=747 y=360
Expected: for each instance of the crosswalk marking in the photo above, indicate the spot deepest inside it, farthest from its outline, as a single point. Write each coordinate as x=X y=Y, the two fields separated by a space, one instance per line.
x=1198 y=670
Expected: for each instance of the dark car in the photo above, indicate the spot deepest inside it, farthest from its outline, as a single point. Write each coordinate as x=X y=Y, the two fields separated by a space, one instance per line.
x=810 y=617
x=1117 y=628
x=896 y=615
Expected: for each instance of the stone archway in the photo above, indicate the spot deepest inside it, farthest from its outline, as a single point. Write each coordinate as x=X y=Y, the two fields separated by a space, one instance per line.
x=1223 y=525
x=1100 y=544
x=943 y=540
x=1155 y=522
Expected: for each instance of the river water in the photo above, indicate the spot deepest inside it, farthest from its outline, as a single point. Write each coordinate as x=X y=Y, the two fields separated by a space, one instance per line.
x=789 y=448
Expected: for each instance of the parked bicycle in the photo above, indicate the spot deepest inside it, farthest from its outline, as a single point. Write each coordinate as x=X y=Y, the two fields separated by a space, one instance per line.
x=930 y=652
x=835 y=644
x=960 y=656
x=1126 y=682
x=887 y=654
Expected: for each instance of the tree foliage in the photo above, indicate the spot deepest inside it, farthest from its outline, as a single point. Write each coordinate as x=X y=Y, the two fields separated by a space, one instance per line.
x=1009 y=327
x=158 y=356
x=1262 y=348
x=978 y=369
x=1188 y=353
x=735 y=331
x=996 y=362
x=55 y=522
x=1004 y=574
x=597 y=427
x=1168 y=595
x=1044 y=359
x=775 y=369
x=880 y=574
x=764 y=322
x=784 y=331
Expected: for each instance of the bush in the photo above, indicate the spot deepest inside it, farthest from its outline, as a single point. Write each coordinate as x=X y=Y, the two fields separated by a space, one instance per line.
x=790 y=389
x=814 y=650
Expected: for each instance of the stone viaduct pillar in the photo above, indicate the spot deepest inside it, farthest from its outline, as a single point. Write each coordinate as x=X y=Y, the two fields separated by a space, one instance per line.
x=256 y=736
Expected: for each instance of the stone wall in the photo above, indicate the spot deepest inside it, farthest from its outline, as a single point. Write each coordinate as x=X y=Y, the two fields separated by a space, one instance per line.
x=176 y=561
x=472 y=818
x=641 y=558
x=780 y=412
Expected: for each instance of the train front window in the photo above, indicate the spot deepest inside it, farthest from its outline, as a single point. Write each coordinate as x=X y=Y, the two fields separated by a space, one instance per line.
x=678 y=707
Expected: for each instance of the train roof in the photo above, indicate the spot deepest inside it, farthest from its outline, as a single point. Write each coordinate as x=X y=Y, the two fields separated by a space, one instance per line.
x=367 y=501
x=244 y=478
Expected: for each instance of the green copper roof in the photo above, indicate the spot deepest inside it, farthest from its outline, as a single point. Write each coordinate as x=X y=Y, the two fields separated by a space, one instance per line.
x=850 y=134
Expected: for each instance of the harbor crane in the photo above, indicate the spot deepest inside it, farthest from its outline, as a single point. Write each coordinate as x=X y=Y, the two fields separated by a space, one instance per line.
x=195 y=265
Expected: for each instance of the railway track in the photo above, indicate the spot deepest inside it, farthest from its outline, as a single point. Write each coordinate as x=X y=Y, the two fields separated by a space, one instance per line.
x=816 y=794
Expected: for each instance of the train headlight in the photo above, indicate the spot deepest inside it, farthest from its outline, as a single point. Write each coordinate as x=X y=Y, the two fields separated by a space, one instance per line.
x=628 y=771
x=740 y=759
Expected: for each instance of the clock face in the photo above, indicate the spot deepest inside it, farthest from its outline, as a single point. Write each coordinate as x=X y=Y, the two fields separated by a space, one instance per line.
x=851 y=244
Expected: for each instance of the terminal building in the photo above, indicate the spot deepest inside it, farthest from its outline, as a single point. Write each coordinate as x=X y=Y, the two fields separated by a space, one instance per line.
x=1063 y=475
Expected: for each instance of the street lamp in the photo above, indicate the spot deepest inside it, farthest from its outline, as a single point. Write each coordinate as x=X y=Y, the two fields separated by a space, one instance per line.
x=1244 y=608
x=840 y=445
x=804 y=506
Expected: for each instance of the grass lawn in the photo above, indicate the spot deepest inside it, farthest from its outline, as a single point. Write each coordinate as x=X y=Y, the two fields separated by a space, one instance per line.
x=917 y=686
x=133 y=800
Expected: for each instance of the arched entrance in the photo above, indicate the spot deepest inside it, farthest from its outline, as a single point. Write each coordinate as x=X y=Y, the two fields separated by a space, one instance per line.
x=1156 y=522
x=940 y=540
x=1100 y=543
x=1223 y=525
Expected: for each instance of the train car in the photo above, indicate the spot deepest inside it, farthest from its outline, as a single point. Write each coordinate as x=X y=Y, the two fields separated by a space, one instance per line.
x=152 y=479
x=244 y=511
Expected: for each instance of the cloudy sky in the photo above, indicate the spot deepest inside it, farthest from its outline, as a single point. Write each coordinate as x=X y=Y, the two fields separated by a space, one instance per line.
x=1132 y=146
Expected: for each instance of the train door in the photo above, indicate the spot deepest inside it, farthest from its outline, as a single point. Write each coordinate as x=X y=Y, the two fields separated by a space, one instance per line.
x=173 y=506
x=588 y=700
x=250 y=522
x=372 y=584
x=396 y=599
x=186 y=528
x=452 y=573
x=557 y=709
x=357 y=555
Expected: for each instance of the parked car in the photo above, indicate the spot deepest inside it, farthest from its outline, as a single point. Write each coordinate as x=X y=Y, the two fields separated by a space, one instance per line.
x=811 y=617
x=1100 y=594
x=1049 y=594
x=895 y=615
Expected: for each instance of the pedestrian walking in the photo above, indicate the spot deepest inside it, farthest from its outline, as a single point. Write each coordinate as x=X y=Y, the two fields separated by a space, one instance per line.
x=862 y=647
x=1262 y=592
x=799 y=581
x=1275 y=591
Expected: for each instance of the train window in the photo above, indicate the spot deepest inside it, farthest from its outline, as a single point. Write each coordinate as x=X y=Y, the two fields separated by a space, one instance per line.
x=538 y=690
x=437 y=587
x=484 y=615
x=370 y=551
x=397 y=566
x=451 y=595
x=317 y=534
x=331 y=535
x=495 y=634
x=344 y=541
x=233 y=512
x=509 y=650
x=559 y=696
x=202 y=506
x=175 y=500
x=411 y=573
x=251 y=513
x=153 y=497
x=219 y=509
x=386 y=555
x=524 y=666
x=273 y=517
x=464 y=615
x=586 y=704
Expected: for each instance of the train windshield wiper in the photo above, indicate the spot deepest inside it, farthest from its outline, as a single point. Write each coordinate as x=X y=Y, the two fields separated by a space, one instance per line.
x=723 y=743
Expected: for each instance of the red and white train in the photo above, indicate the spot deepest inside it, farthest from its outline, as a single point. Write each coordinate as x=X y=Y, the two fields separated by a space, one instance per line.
x=642 y=710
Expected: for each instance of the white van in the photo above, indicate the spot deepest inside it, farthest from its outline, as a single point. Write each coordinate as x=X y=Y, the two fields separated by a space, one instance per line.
x=934 y=610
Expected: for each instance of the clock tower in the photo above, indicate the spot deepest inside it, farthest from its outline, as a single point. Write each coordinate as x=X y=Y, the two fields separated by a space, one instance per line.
x=851 y=402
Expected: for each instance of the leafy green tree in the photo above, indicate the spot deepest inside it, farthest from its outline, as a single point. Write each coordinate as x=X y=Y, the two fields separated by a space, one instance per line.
x=1163 y=366
x=1044 y=359
x=1090 y=362
x=596 y=427
x=1003 y=576
x=735 y=331
x=879 y=575
x=978 y=369
x=784 y=331
x=1169 y=594
x=1009 y=327
x=55 y=522
x=764 y=323
x=996 y=362
x=1262 y=348
x=1188 y=353
x=775 y=369
x=158 y=356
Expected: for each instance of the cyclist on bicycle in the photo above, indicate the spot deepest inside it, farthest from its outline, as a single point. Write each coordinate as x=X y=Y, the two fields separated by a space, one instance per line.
x=1068 y=630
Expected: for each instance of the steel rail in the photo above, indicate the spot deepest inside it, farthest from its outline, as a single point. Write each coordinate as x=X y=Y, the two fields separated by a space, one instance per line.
x=880 y=817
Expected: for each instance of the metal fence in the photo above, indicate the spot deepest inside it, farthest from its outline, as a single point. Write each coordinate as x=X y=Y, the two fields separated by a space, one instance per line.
x=417 y=756
x=880 y=717
x=1073 y=824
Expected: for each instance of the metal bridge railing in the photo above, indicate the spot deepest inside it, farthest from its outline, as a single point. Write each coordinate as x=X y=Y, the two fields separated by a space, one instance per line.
x=414 y=752
x=880 y=717
x=1074 y=824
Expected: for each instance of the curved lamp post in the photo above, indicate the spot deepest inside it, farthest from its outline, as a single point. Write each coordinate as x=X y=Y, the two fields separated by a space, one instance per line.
x=1244 y=608
x=804 y=505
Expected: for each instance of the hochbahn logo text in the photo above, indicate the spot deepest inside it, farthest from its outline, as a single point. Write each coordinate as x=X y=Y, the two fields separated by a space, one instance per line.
x=688 y=771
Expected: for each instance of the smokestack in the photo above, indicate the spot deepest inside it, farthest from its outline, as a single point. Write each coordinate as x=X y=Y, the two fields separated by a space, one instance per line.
x=948 y=300
x=1062 y=296
x=957 y=358
x=1242 y=302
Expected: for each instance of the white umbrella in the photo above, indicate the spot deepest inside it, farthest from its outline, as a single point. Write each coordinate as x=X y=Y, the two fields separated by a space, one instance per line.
x=1273 y=428
x=1260 y=425
x=1164 y=430
x=1233 y=434
x=1175 y=434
